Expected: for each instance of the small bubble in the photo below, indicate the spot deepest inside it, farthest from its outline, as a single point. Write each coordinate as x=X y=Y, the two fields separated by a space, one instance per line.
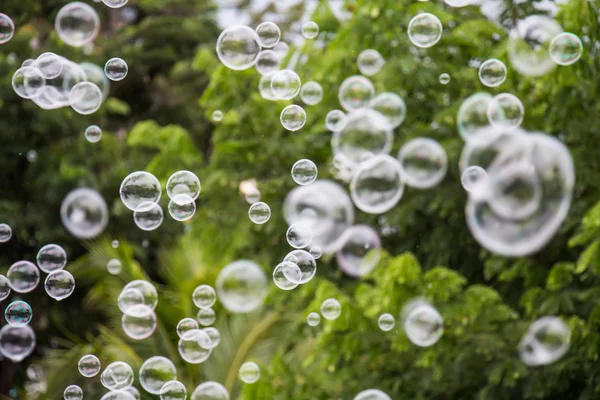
x=310 y=30
x=116 y=69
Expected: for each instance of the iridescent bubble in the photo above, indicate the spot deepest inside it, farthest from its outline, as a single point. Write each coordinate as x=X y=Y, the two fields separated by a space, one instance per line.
x=423 y=162
x=378 y=184
x=355 y=92
x=335 y=120
x=89 y=366
x=114 y=266
x=182 y=207
x=4 y=287
x=299 y=235
x=77 y=24
x=148 y=291
x=391 y=106
x=492 y=72
x=472 y=118
x=139 y=187
x=505 y=110
x=124 y=394
x=49 y=65
x=310 y=30
x=264 y=87
x=73 y=392
x=93 y=133
x=304 y=261
x=85 y=98
x=566 y=48
x=238 y=47
x=139 y=322
x=27 y=82
x=425 y=30
x=173 y=390
x=51 y=257
x=311 y=93
x=423 y=324
x=204 y=296
x=16 y=343
x=149 y=216
x=206 y=316
x=547 y=340
x=313 y=319
x=210 y=391
x=293 y=117
x=268 y=34
x=444 y=79
x=217 y=116
x=304 y=172
x=283 y=270
x=285 y=84
x=195 y=346
x=155 y=372
x=23 y=276
x=267 y=61
x=372 y=394
x=214 y=335
x=249 y=372
x=259 y=212
x=474 y=179
x=116 y=69
x=117 y=375
x=361 y=251
x=183 y=182
x=18 y=314
x=5 y=233
x=7 y=28
x=84 y=213
x=59 y=284
x=386 y=322
x=241 y=286
x=185 y=326
x=115 y=3
x=316 y=252
x=369 y=62
x=331 y=309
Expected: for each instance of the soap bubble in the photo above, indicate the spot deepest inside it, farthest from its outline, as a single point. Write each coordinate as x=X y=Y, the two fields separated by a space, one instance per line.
x=316 y=252
x=372 y=394
x=423 y=324
x=355 y=92
x=27 y=82
x=304 y=261
x=259 y=212
x=114 y=244
x=23 y=276
x=183 y=182
x=134 y=392
x=117 y=375
x=425 y=30
x=84 y=213
x=93 y=134
x=115 y=3
x=7 y=28
x=252 y=195
x=293 y=117
x=217 y=116
x=49 y=65
x=59 y=284
x=51 y=257
x=285 y=84
x=18 y=313
x=185 y=326
x=299 y=235
x=546 y=341
x=264 y=86
x=331 y=309
x=369 y=62
x=311 y=93
x=529 y=45
x=391 y=106
x=361 y=251
x=149 y=216
x=473 y=179
x=116 y=69
x=283 y=270
x=472 y=118
x=173 y=390
x=566 y=48
x=77 y=24
x=139 y=322
x=492 y=72
x=210 y=391
x=335 y=120
x=195 y=346
x=444 y=79
x=281 y=48
x=378 y=184
x=304 y=172
x=89 y=366
x=214 y=335
x=268 y=34
x=85 y=98
x=5 y=233
x=204 y=296
x=128 y=298
x=155 y=372
x=94 y=74
x=150 y=296
x=238 y=47
x=267 y=61
x=16 y=343
x=249 y=372
x=4 y=287
x=241 y=286
x=139 y=187
x=114 y=266
x=206 y=316
x=313 y=319
x=124 y=394
x=424 y=163
x=505 y=110
x=73 y=392
x=310 y=30
x=386 y=322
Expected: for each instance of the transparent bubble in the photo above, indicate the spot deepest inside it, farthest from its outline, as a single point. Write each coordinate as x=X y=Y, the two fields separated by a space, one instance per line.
x=505 y=110
x=423 y=324
x=195 y=346
x=139 y=187
x=516 y=192
x=139 y=322
x=217 y=116
x=304 y=172
x=183 y=182
x=49 y=65
x=185 y=326
x=566 y=48
x=114 y=266
x=423 y=162
x=155 y=372
x=73 y=392
x=305 y=261
x=492 y=72
x=16 y=343
x=134 y=392
x=173 y=390
x=51 y=257
x=77 y=24
x=115 y=3
x=5 y=233
x=95 y=74
x=27 y=82
x=369 y=62
x=391 y=106
x=264 y=87
x=84 y=213
x=249 y=372
x=252 y=196
x=285 y=84
x=546 y=341
x=204 y=296
x=444 y=79
x=425 y=30
x=474 y=179
x=361 y=251
x=206 y=316
x=214 y=335
x=313 y=319
x=93 y=134
x=331 y=309
x=116 y=69
x=268 y=34
x=529 y=45
x=238 y=47
x=280 y=273
x=124 y=394
x=372 y=394
x=293 y=117
x=299 y=235
x=85 y=98
x=281 y=48
x=117 y=375
x=23 y=276
x=4 y=287
x=149 y=216
x=267 y=61
x=59 y=284
x=148 y=291
x=386 y=322
x=259 y=212
x=18 y=313
x=210 y=391
x=310 y=30
x=7 y=28
x=89 y=366
x=335 y=120
x=378 y=184
x=472 y=118
x=241 y=286
x=182 y=207
x=316 y=252
x=311 y=93
x=355 y=92
x=114 y=244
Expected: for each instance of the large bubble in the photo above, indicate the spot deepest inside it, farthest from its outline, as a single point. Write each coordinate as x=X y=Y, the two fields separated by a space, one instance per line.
x=424 y=163
x=16 y=343
x=77 y=24
x=355 y=92
x=155 y=372
x=241 y=286
x=361 y=251
x=378 y=184
x=84 y=213
x=238 y=47
x=547 y=340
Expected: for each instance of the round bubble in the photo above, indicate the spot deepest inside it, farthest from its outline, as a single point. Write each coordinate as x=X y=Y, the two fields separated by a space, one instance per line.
x=77 y=24
x=139 y=322
x=311 y=93
x=85 y=98
x=134 y=392
x=116 y=69
x=124 y=394
x=547 y=340
x=249 y=372
x=313 y=319
x=51 y=257
x=149 y=216
x=95 y=74
x=283 y=270
x=391 y=106
x=423 y=324
x=264 y=86
x=474 y=180
x=115 y=3
x=7 y=28
x=566 y=48
x=304 y=172
x=304 y=261
x=49 y=65
x=378 y=184
x=4 y=287
x=335 y=120
x=355 y=92
x=23 y=276
x=241 y=286
x=195 y=346
x=16 y=343
x=183 y=182
x=386 y=322
x=155 y=372
x=206 y=316
x=259 y=212
x=204 y=296
x=210 y=391
x=93 y=134
x=89 y=366
x=331 y=309
x=516 y=192
x=425 y=30
x=444 y=79
x=173 y=390
x=5 y=233
x=139 y=187
x=372 y=394
x=423 y=162
x=267 y=61
x=114 y=266
x=268 y=34
x=185 y=326
x=285 y=84
x=73 y=392
x=492 y=72
x=27 y=82
x=252 y=196
x=238 y=47
x=505 y=110
x=293 y=117
x=310 y=30
x=361 y=251
x=18 y=313
x=150 y=295
x=316 y=252
x=117 y=375
x=472 y=118
x=369 y=62
x=59 y=284
x=214 y=335
x=217 y=116
x=299 y=235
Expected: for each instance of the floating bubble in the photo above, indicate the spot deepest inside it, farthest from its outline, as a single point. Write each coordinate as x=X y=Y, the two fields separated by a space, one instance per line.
x=148 y=291
x=5 y=233
x=304 y=261
x=85 y=98
x=117 y=375
x=425 y=30
x=267 y=61
x=283 y=270
x=16 y=343
x=183 y=182
x=546 y=341
x=335 y=120
x=93 y=134
x=472 y=118
x=361 y=251
x=313 y=319
x=139 y=187
x=268 y=34
x=95 y=74
x=285 y=84
x=7 y=28
x=492 y=72
x=293 y=117
x=473 y=179
x=331 y=309
x=423 y=324
x=195 y=346
x=4 y=287
x=49 y=65
x=114 y=266
x=27 y=82
x=59 y=284
x=77 y=24
x=423 y=162
x=355 y=92
x=23 y=276
x=204 y=296
x=249 y=372
x=566 y=48
x=210 y=391
x=84 y=213
x=241 y=286
x=124 y=394
x=173 y=390
x=378 y=184
x=386 y=322
x=372 y=394
x=310 y=30
x=155 y=372
x=264 y=87
x=185 y=326
x=114 y=244
x=505 y=110
x=115 y=3
x=134 y=392
x=18 y=314
x=217 y=116
x=51 y=257
x=139 y=322
x=316 y=252
x=259 y=212
x=304 y=172
x=444 y=79
x=311 y=93
x=299 y=235
x=73 y=392
x=116 y=69
x=369 y=62
x=89 y=366
x=238 y=47
x=214 y=335
x=281 y=48
x=149 y=216
x=206 y=316
x=391 y=106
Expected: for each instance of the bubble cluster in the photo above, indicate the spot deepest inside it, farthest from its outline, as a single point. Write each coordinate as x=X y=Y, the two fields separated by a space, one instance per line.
x=259 y=212
x=155 y=372
x=93 y=133
x=310 y=30
x=361 y=251
x=566 y=48
x=116 y=69
x=377 y=185
x=23 y=276
x=238 y=47
x=293 y=117
x=311 y=93
x=268 y=34
x=355 y=92
x=59 y=284
x=249 y=372
x=241 y=286
x=5 y=233
x=18 y=314
x=89 y=366
x=547 y=340
x=77 y=24
x=7 y=28
x=369 y=62
x=425 y=30
x=423 y=324
x=492 y=72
